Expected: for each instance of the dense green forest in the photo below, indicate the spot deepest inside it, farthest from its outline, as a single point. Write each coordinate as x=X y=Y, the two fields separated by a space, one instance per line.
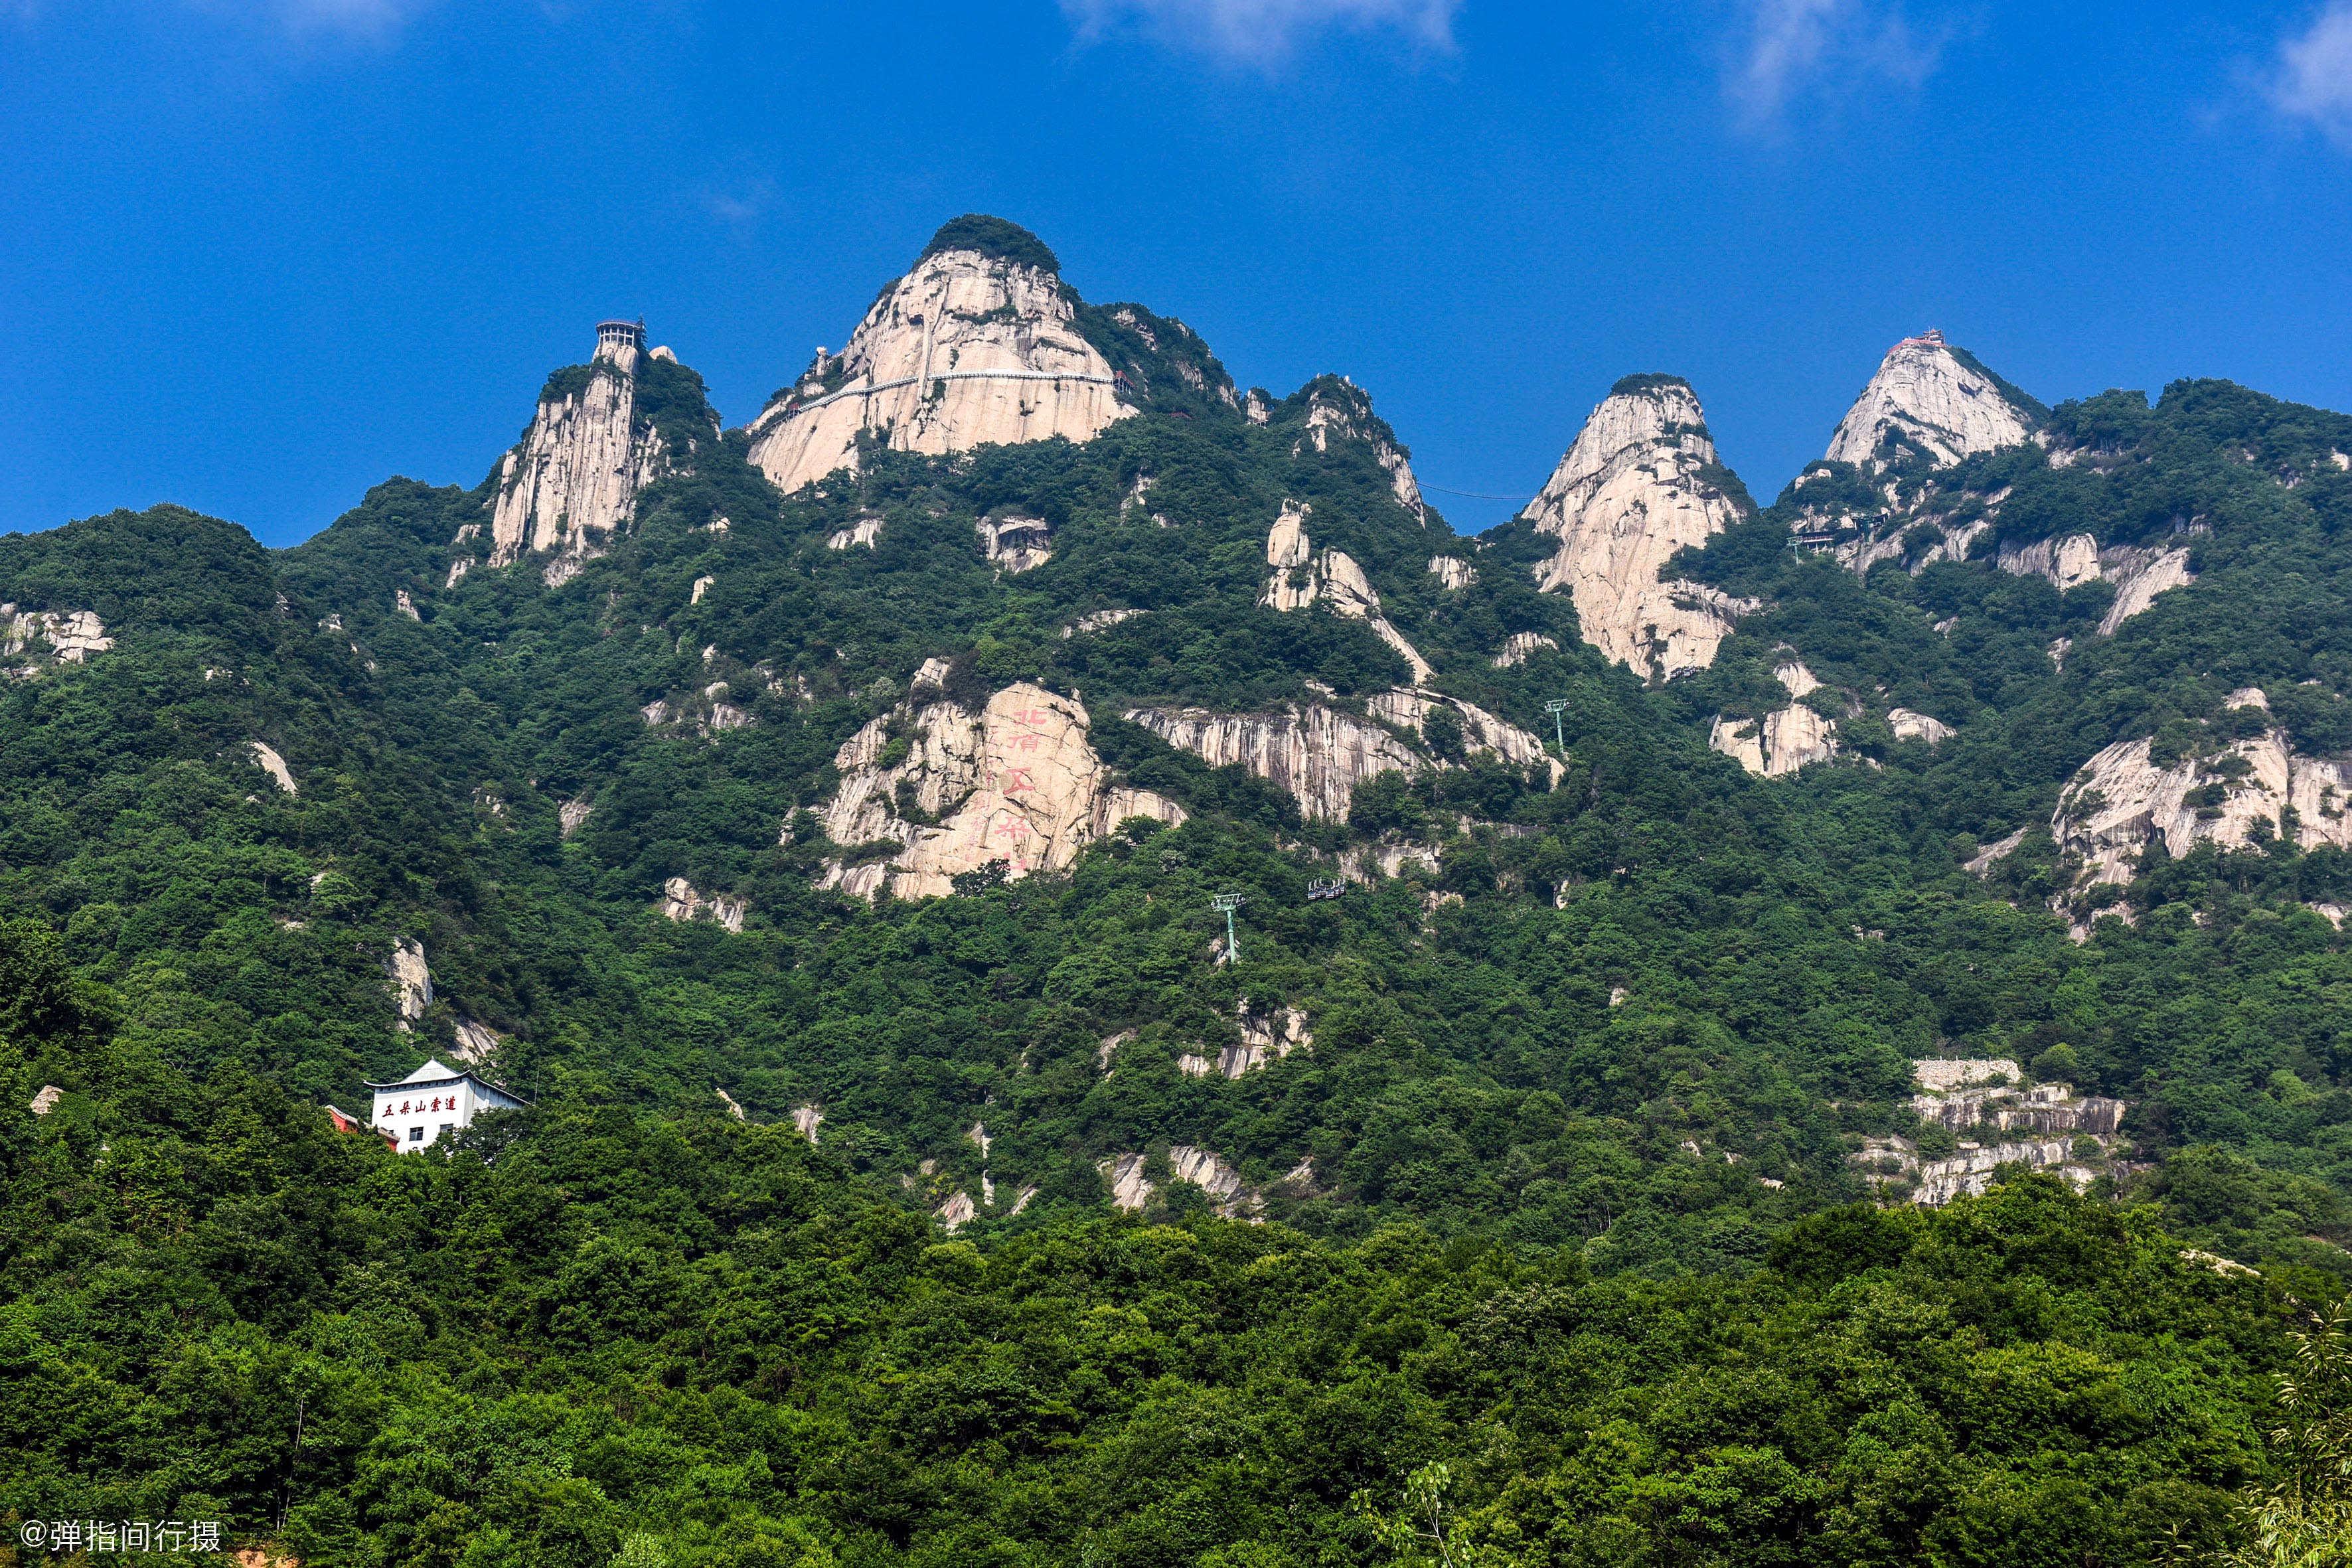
x=1563 y=1197
x=591 y=1333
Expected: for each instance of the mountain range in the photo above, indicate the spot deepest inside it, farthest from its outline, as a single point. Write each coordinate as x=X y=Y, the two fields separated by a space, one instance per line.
x=823 y=822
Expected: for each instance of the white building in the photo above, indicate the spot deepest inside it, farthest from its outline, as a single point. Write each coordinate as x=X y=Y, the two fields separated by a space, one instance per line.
x=433 y=1099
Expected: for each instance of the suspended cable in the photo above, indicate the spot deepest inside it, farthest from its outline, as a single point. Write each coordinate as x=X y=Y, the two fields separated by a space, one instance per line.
x=1473 y=495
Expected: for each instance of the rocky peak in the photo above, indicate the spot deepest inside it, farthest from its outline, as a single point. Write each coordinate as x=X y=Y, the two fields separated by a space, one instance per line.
x=574 y=479
x=978 y=343
x=1935 y=400
x=1338 y=409
x=1642 y=481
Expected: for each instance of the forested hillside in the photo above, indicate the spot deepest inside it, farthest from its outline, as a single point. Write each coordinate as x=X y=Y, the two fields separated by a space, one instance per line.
x=1574 y=1000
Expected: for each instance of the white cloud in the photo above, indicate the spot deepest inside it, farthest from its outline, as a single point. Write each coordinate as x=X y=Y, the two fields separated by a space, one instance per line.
x=1788 y=47
x=1262 y=32
x=741 y=207
x=360 y=19
x=2314 y=78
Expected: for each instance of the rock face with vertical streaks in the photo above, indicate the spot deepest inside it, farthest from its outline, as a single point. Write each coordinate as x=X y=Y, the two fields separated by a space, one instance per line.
x=573 y=481
x=2138 y=572
x=1316 y=754
x=1929 y=398
x=2121 y=801
x=1642 y=481
x=1319 y=755
x=1017 y=783
x=977 y=344
x=1298 y=575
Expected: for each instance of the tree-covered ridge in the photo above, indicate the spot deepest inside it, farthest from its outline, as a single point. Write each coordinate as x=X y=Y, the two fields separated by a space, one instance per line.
x=993 y=237
x=590 y=1333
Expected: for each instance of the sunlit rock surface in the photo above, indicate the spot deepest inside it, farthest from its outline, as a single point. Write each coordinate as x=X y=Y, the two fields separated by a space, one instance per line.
x=965 y=350
x=1927 y=397
x=1642 y=481
x=1017 y=783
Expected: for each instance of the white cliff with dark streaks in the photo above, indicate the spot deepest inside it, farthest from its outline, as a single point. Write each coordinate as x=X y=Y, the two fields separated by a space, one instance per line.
x=573 y=481
x=1638 y=486
x=1925 y=396
x=964 y=351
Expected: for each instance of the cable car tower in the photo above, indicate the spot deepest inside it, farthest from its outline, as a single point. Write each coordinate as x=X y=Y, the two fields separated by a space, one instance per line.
x=1227 y=904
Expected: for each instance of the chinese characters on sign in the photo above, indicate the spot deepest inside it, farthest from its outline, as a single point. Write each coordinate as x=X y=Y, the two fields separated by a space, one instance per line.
x=67 y=1536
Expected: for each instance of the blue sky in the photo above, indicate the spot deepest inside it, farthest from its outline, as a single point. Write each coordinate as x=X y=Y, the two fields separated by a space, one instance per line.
x=260 y=254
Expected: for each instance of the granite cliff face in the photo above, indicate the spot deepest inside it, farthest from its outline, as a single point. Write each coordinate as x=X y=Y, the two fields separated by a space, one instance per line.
x=1017 y=783
x=1927 y=398
x=1779 y=742
x=1316 y=754
x=2121 y=801
x=2138 y=572
x=1320 y=754
x=1642 y=481
x=2046 y=1127
x=573 y=481
x=1298 y=577
x=28 y=638
x=967 y=349
x=1336 y=409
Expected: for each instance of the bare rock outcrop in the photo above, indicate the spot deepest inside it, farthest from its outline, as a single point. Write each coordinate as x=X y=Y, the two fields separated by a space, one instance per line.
x=2121 y=801
x=1299 y=576
x=1213 y=1174
x=67 y=637
x=968 y=348
x=1267 y=1035
x=265 y=757
x=682 y=901
x=1016 y=543
x=1316 y=754
x=1642 y=481
x=2047 y=1127
x=1017 y=782
x=1780 y=743
x=1927 y=397
x=1481 y=731
x=1319 y=755
x=2138 y=572
x=1908 y=725
x=573 y=481
x=1519 y=648
x=412 y=981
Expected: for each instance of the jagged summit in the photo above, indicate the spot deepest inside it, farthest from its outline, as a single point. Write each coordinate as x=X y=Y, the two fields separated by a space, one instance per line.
x=978 y=343
x=592 y=445
x=1934 y=400
x=1642 y=481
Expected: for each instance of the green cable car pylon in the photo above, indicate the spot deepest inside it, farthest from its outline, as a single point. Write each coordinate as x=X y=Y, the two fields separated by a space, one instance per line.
x=1229 y=902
